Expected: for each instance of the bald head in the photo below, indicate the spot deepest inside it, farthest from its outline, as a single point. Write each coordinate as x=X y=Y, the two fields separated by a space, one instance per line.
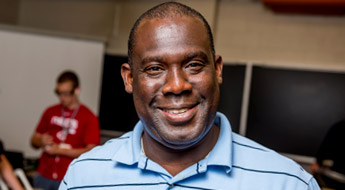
x=167 y=10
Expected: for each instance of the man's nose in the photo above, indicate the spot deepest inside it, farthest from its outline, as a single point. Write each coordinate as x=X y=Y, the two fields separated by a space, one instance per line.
x=176 y=82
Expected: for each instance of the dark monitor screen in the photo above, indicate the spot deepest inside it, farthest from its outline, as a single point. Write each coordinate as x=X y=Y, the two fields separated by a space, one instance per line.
x=116 y=111
x=291 y=111
x=231 y=92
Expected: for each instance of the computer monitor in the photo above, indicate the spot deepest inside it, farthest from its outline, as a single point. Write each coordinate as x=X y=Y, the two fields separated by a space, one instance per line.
x=291 y=110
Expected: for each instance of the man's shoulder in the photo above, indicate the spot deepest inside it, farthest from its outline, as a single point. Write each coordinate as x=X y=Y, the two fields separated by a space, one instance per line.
x=254 y=157
x=106 y=151
x=83 y=108
x=247 y=144
x=53 y=108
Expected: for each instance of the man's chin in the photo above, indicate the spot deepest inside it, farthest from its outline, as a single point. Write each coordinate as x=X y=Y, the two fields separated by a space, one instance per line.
x=65 y=105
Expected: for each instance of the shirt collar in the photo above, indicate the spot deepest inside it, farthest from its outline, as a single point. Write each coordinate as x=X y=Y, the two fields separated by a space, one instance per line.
x=130 y=152
x=221 y=154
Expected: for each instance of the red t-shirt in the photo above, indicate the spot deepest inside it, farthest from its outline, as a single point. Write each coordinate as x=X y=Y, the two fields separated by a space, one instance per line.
x=82 y=130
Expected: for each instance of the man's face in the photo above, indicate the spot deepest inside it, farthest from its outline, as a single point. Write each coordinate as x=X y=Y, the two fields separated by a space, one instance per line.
x=66 y=93
x=174 y=79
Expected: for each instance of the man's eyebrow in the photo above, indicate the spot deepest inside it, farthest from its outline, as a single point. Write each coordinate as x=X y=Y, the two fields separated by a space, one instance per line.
x=153 y=59
x=196 y=54
x=188 y=56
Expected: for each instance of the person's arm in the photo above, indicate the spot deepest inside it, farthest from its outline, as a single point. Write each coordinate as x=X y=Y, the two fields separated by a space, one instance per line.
x=314 y=167
x=46 y=141
x=39 y=140
x=73 y=152
x=8 y=175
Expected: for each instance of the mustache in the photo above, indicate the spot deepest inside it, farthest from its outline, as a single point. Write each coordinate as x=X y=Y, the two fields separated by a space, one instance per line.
x=175 y=101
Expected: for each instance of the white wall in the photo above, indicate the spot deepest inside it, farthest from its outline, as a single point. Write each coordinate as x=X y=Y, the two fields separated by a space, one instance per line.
x=29 y=65
x=88 y=17
x=248 y=32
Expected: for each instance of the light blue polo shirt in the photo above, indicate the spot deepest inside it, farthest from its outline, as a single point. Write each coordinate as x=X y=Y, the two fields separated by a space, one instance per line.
x=234 y=163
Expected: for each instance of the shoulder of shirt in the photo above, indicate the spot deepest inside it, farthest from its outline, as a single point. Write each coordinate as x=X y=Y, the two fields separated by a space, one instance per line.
x=85 y=109
x=106 y=151
x=252 y=156
x=52 y=108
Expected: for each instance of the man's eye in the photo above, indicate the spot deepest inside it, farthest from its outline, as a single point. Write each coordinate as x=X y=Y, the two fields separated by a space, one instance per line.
x=154 y=70
x=195 y=66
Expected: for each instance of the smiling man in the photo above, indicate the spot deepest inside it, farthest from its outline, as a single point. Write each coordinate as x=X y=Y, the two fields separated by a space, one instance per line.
x=180 y=142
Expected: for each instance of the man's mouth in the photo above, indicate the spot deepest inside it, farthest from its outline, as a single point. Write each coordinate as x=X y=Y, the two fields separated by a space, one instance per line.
x=176 y=111
x=179 y=115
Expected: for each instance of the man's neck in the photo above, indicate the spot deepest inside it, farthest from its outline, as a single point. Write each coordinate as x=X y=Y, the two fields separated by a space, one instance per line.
x=73 y=105
x=174 y=161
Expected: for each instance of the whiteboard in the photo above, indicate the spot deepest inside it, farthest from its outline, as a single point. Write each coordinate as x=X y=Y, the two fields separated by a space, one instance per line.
x=29 y=65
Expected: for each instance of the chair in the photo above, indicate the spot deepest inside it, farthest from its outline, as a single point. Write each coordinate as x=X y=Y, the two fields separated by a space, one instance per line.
x=22 y=178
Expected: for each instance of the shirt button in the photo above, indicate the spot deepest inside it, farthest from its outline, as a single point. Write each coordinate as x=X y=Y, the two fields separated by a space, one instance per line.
x=171 y=186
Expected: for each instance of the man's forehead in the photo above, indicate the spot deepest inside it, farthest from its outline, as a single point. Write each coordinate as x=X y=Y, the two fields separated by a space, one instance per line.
x=65 y=84
x=167 y=35
x=171 y=27
x=153 y=22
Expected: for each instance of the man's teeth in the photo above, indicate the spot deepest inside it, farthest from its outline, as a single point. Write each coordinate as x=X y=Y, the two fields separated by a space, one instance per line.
x=177 y=111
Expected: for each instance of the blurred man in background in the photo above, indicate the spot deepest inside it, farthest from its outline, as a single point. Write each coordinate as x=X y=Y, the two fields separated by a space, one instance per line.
x=65 y=131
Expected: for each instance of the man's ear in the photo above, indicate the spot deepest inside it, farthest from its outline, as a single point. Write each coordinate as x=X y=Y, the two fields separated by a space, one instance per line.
x=218 y=64
x=77 y=91
x=126 y=73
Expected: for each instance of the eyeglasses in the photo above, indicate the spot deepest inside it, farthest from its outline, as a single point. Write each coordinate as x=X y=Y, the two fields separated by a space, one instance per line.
x=64 y=93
